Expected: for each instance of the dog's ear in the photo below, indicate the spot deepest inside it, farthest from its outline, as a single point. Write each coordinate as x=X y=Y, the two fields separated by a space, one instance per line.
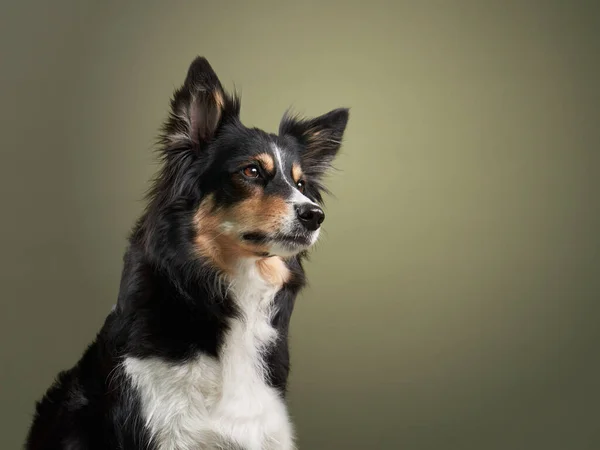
x=197 y=108
x=320 y=137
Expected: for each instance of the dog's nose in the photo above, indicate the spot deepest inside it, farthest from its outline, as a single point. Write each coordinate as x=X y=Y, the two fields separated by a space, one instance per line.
x=310 y=215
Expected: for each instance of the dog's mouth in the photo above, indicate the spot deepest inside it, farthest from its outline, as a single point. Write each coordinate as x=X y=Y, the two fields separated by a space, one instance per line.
x=287 y=240
x=255 y=237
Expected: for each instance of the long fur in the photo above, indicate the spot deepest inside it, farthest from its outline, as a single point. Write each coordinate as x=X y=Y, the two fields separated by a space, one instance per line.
x=194 y=356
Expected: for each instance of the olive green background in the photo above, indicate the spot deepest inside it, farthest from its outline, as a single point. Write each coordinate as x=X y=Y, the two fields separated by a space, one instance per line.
x=454 y=297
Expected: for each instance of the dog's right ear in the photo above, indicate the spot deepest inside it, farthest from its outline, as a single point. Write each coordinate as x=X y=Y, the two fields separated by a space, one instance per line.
x=197 y=108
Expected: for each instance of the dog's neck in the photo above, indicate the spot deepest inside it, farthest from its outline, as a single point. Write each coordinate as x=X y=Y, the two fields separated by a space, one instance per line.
x=232 y=387
x=179 y=310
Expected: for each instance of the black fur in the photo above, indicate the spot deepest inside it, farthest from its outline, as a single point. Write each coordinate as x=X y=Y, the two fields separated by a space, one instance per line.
x=169 y=303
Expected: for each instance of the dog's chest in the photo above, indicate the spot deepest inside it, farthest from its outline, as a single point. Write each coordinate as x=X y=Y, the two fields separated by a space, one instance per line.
x=210 y=402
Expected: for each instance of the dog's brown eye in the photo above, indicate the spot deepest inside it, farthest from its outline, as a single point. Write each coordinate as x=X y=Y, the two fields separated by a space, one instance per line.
x=301 y=185
x=251 y=172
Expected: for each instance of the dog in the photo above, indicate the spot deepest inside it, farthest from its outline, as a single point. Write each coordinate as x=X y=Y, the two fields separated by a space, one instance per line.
x=195 y=353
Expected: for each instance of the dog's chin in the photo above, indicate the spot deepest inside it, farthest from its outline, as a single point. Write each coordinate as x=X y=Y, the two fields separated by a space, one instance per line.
x=287 y=249
x=283 y=245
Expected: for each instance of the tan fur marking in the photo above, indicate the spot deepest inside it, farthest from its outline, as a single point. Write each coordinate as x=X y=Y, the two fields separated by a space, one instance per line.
x=221 y=249
x=296 y=172
x=218 y=95
x=260 y=213
x=267 y=161
x=273 y=270
x=313 y=134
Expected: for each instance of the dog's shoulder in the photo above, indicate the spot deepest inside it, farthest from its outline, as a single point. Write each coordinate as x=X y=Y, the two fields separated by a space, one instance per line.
x=88 y=405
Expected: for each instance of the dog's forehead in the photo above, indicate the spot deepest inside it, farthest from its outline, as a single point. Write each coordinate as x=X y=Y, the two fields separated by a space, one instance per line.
x=282 y=151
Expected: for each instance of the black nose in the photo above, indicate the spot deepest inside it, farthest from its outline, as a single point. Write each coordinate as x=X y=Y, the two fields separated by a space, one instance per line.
x=310 y=215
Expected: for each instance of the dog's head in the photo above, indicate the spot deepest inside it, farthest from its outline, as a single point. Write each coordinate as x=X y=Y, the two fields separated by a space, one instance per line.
x=232 y=191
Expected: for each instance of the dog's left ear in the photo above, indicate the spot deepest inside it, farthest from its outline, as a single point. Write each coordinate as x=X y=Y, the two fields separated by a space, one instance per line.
x=320 y=137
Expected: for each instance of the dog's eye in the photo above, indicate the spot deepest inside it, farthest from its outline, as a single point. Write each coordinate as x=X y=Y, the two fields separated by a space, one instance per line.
x=251 y=171
x=301 y=185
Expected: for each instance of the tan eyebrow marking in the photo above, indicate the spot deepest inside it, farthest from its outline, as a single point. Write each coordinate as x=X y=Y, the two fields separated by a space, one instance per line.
x=267 y=161
x=296 y=172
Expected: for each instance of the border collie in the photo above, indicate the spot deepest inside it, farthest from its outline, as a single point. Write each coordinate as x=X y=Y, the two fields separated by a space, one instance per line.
x=195 y=353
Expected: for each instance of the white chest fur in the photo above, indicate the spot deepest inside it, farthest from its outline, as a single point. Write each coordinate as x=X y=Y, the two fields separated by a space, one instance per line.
x=211 y=403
